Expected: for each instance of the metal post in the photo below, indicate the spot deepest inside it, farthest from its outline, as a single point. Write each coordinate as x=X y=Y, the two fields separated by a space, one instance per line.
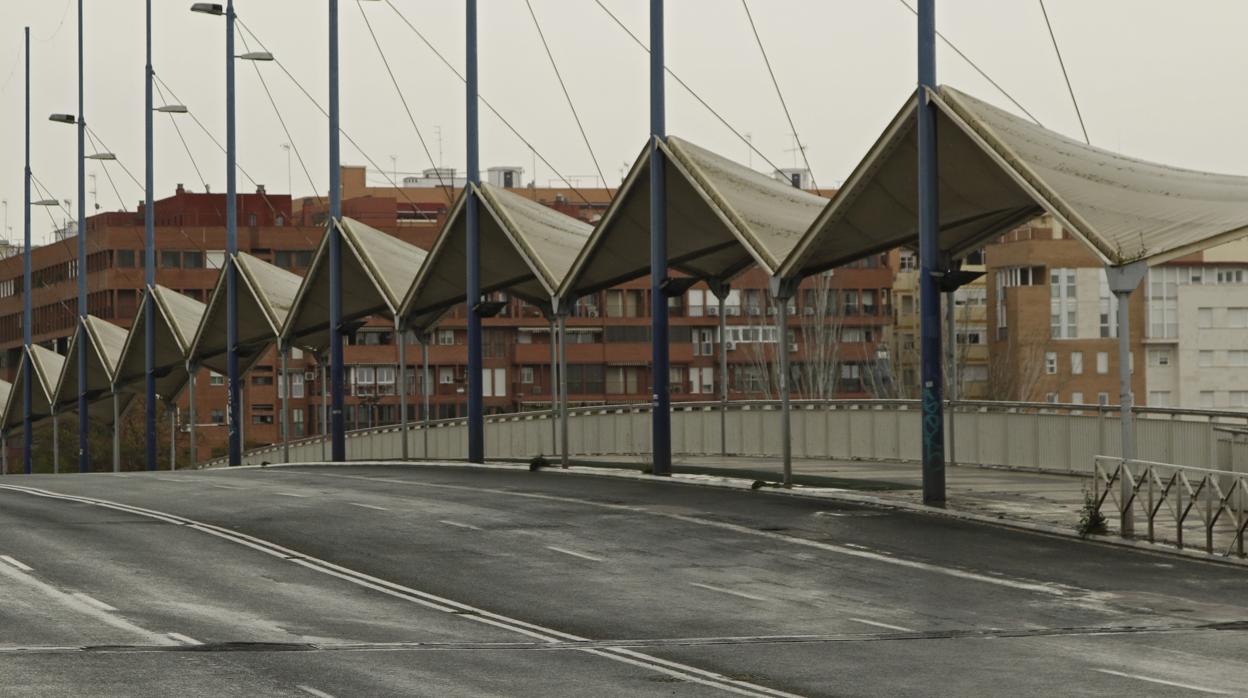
x=476 y=404
x=951 y=342
x=324 y=406
x=400 y=336
x=426 y=388
x=284 y=351
x=84 y=422
x=234 y=375
x=1122 y=281
x=661 y=417
x=563 y=386
x=782 y=291
x=149 y=260
x=554 y=384
x=27 y=315
x=4 y=454
x=720 y=290
x=929 y=260
x=116 y=431
x=191 y=414
x=338 y=439
x=173 y=437
x=56 y=443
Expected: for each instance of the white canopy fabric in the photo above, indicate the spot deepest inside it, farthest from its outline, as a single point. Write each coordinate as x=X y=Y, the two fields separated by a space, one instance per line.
x=266 y=294
x=722 y=217
x=177 y=318
x=377 y=271
x=47 y=366
x=105 y=342
x=527 y=250
x=998 y=170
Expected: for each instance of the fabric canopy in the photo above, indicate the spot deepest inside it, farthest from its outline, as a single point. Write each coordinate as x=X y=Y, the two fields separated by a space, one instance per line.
x=377 y=271
x=104 y=343
x=47 y=366
x=722 y=217
x=265 y=296
x=997 y=171
x=177 y=318
x=529 y=248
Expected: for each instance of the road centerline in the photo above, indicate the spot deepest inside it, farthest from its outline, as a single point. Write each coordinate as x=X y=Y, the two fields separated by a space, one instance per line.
x=1164 y=682
x=573 y=553
x=733 y=592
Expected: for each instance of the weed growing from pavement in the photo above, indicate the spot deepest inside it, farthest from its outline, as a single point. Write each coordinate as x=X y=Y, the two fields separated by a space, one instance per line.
x=1091 y=520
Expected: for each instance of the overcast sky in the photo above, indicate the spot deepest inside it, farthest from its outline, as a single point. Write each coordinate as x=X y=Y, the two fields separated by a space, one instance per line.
x=1155 y=79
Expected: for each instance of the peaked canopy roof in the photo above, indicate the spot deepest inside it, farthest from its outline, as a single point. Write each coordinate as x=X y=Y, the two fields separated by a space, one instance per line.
x=47 y=366
x=265 y=296
x=721 y=216
x=531 y=248
x=177 y=318
x=105 y=342
x=377 y=271
x=998 y=170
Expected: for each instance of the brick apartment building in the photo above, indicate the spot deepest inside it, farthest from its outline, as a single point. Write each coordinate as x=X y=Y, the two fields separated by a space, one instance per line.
x=608 y=340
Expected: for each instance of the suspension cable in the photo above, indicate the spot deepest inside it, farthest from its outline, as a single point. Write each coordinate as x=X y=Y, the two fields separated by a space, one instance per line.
x=107 y=173
x=1065 y=75
x=775 y=83
x=178 y=129
x=568 y=97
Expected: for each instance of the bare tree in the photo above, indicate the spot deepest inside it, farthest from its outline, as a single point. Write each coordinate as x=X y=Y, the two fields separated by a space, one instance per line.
x=1014 y=374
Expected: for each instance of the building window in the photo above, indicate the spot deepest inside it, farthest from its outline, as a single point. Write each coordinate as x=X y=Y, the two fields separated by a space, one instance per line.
x=696 y=301
x=1159 y=398
x=1239 y=398
x=170 y=259
x=1204 y=318
x=296 y=420
x=1108 y=307
x=1102 y=362
x=1206 y=399
x=1237 y=318
x=386 y=380
x=217 y=416
x=124 y=259
x=1102 y=399
x=446 y=338
x=1163 y=302
x=1237 y=357
x=1076 y=398
x=215 y=378
x=1050 y=362
x=1161 y=357
x=1021 y=276
x=704 y=342
x=908 y=261
x=526 y=375
x=1050 y=398
x=446 y=375
x=193 y=260
x=1076 y=363
x=214 y=259
x=1063 y=304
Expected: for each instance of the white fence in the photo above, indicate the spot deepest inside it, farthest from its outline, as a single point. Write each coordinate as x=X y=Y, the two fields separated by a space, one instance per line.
x=1039 y=436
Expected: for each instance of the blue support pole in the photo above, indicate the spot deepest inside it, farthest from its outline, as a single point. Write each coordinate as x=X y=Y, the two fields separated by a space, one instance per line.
x=929 y=259
x=84 y=421
x=235 y=406
x=27 y=394
x=476 y=406
x=149 y=261
x=661 y=418
x=338 y=439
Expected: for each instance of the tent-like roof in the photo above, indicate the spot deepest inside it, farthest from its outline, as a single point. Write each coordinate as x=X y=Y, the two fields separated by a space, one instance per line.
x=47 y=365
x=177 y=318
x=104 y=344
x=722 y=217
x=266 y=294
x=998 y=170
x=377 y=271
x=530 y=248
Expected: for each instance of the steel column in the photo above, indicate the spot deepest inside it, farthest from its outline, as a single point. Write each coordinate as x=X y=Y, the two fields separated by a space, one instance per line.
x=173 y=437
x=324 y=405
x=476 y=404
x=149 y=259
x=951 y=341
x=116 y=431
x=425 y=388
x=782 y=290
x=84 y=421
x=1122 y=281
x=563 y=386
x=932 y=376
x=233 y=375
x=56 y=443
x=721 y=291
x=400 y=336
x=554 y=385
x=192 y=369
x=338 y=439
x=284 y=352
x=661 y=416
x=28 y=370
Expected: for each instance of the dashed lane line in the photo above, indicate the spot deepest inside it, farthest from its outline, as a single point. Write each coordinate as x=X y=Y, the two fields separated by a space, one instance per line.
x=374 y=507
x=457 y=524
x=733 y=592
x=573 y=553
x=17 y=563
x=1163 y=682
x=185 y=639
x=886 y=626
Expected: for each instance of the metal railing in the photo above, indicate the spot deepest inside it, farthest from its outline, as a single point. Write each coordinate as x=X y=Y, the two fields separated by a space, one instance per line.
x=1176 y=492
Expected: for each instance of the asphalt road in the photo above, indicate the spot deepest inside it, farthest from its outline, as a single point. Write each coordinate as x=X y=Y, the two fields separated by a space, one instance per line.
x=452 y=581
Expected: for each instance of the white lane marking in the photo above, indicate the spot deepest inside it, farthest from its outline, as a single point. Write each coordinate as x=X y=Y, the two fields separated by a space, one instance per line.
x=368 y=506
x=184 y=639
x=1163 y=682
x=457 y=524
x=722 y=590
x=573 y=553
x=313 y=692
x=17 y=563
x=291 y=494
x=847 y=549
x=172 y=479
x=668 y=667
x=93 y=601
x=878 y=624
x=225 y=487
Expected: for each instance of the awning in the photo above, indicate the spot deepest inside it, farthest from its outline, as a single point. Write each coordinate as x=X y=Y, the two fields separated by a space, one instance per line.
x=265 y=296
x=722 y=217
x=997 y=171
x=177 y=318
x=47 y=366
x=377 y=271
x=527 y=250
x=104 y=342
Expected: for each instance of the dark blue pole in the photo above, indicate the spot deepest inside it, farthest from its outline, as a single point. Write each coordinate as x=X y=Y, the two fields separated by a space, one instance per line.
x=149 y=262
x=338 y=439
x=476 y=416
x=661 y=419
x=231 y=245
x=929 y=252
x=84 y=421
x=27 y=395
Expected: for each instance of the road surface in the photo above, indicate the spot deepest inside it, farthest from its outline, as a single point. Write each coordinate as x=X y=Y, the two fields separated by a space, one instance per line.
x=384 y=580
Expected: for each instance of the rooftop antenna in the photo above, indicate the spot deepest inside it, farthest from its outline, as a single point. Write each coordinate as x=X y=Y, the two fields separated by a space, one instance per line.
x=797 y=147
x=749 y=151
x=95 y=196
x=437 y=129
x=394 y=165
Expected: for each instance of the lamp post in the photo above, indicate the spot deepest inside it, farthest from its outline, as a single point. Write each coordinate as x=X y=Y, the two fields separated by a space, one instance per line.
x=234 y=399
x=338 y=440
x=476 y=403
x=661 y=417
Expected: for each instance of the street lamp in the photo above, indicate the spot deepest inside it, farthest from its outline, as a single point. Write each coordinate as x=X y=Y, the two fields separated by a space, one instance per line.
x=102 y=156
x=171 y=109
